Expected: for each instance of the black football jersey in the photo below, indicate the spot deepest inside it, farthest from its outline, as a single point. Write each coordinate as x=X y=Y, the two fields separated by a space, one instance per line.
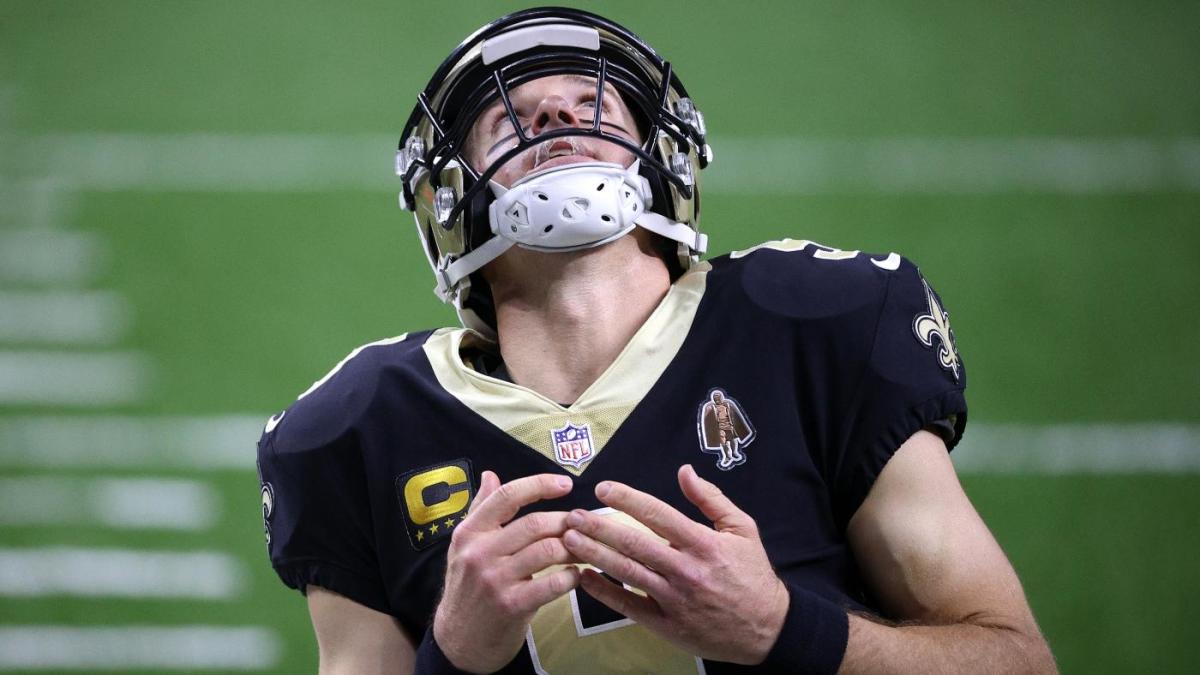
x=787 y=374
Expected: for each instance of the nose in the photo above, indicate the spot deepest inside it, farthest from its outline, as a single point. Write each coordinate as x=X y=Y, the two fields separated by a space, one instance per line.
x=553 y=112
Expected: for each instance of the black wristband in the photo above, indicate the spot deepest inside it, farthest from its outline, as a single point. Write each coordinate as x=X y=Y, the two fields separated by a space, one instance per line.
x=431 y=660
x=813 y=637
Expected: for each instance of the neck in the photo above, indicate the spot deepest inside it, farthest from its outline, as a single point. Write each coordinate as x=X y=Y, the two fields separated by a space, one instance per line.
x=562 y=318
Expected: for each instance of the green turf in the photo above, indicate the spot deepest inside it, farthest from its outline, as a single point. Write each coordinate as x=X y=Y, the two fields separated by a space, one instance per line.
x=1067 y=308
x=1108 y=564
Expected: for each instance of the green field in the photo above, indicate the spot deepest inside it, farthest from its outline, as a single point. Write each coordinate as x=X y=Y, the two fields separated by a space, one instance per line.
x=197 y=221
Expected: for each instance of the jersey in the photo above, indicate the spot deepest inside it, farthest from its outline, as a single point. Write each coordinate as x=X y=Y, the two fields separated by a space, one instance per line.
x=787 y=374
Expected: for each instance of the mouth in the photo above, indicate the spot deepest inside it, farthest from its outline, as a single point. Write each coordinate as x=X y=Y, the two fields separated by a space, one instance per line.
x=559 y=152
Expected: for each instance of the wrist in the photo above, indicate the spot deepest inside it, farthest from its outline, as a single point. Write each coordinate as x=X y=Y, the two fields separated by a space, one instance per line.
x=812 y=636
x=467 y=655
x=431 y=660
x=772 y=623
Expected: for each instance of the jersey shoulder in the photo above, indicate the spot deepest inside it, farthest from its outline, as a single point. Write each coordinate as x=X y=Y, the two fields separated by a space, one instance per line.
x=335 y=402
x=802 y=279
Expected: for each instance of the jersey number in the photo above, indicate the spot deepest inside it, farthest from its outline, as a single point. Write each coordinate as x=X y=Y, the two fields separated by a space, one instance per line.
x=819 y=251
x=575 y=634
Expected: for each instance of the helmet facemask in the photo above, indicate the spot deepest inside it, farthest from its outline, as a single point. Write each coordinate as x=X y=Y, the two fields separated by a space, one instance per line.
x=465 y=218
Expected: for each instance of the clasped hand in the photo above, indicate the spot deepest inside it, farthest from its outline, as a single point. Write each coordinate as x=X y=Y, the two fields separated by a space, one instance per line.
x=707 y=589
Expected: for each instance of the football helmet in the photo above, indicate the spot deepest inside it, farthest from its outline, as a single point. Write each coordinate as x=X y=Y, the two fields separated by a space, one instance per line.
x=465 y=219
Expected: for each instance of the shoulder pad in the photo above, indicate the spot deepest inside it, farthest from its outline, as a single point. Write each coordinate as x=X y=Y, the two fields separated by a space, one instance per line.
x=805 y=280
x=333 y=403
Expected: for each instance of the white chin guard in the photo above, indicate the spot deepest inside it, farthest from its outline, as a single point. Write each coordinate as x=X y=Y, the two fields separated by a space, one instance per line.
x=565 y=208
x=570 y=207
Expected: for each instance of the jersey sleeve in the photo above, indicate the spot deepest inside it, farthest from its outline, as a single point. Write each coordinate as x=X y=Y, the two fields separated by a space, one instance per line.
x=316 y=508
x=913 y=378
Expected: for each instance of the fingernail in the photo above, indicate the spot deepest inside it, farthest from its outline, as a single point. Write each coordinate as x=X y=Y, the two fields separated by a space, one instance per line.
x=574 y=519
x=603 y=489
x=564 y=482
x=571 y=538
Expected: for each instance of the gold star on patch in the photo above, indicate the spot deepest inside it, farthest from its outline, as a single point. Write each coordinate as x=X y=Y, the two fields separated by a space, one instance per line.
x=449 y=522
x=420 y=535
x=433 y=528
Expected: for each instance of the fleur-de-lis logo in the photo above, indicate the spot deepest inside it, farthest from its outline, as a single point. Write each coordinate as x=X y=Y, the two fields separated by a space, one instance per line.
x=268 y=508
x=937 y=324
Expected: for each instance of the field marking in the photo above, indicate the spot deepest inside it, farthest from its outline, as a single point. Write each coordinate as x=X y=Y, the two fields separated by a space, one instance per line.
x=63 y=317
x=121 y=503
x=206 y=443
x=47 y=256
x=228 y=442
x=121 y=573
x=785 y=165
x=41 y=202
x=192 y=647
x=1079 y=448
x=72 y=378
x=958 y=165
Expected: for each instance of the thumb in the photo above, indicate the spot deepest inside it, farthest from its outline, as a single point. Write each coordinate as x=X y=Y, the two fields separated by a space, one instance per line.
x=489 y=482
x=715 y=506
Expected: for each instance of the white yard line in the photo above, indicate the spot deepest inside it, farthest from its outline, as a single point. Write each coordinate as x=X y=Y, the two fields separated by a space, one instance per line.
x=63 y=317
x=47 y=256
x=957 y=165
x=228 y=442
x=73 y=379
x=37 y=202
x=1080 y=448
x=122 y=503
x=121 y=573
x=784 y=165
x=210 y=162
x=51 y=441
x=193 y=647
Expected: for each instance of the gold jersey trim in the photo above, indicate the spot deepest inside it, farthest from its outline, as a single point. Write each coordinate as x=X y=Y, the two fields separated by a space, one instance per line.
x=529 y=417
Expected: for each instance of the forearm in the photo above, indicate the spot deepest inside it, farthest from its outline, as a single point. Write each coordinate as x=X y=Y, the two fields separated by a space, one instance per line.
x=954 y=648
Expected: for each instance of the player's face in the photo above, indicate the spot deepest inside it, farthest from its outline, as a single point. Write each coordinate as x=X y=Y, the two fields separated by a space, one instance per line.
x=546 y=104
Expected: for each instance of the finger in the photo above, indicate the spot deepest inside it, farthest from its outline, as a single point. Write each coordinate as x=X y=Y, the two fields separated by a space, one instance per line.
x=503 y=504
x=652 y=512
x=538 y=556
x=488 y=483
x=641 y=609
x=542 y=589
x=614 y=563
x=640 y=546
x=713 y=503
x=529 y=528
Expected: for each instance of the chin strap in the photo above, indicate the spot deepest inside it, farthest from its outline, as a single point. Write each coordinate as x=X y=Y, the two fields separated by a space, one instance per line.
x=456 y=271
x=575 y=207
x=493 y=248
x=684 y=234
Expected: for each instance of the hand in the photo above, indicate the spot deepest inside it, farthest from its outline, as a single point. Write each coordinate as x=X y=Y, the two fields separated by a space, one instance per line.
x=708 y=590
x=490 y=593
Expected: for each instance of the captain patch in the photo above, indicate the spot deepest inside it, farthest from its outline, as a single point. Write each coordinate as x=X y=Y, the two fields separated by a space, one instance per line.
x=434 y=500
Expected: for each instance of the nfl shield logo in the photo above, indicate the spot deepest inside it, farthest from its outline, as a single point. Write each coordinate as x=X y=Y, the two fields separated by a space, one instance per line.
x=572 y=445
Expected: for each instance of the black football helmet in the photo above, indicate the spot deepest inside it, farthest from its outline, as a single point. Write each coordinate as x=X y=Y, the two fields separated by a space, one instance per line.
x=465 y=219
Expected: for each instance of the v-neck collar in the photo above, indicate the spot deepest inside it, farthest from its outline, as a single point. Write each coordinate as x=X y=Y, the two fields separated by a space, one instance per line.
x=531 y=418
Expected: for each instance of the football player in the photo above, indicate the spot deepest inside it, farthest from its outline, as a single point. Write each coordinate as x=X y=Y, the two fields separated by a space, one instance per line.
x=629 y=460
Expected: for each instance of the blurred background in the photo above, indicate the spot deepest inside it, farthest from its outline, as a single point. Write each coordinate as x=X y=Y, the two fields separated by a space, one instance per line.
x=198 y=219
